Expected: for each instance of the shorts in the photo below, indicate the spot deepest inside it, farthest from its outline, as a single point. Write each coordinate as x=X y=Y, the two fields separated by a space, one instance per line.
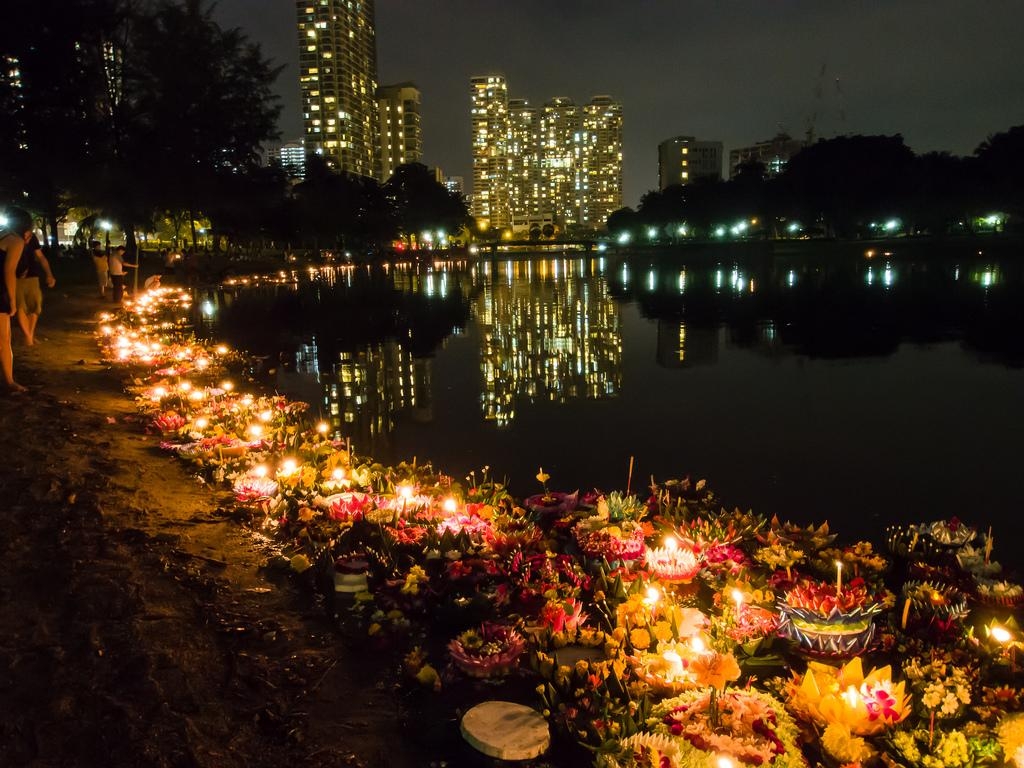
x=29 y=295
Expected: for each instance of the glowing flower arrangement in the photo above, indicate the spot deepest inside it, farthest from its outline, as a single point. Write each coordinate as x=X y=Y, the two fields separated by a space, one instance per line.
x=753 y=729
x=867 y=704
x=254 y=487
x=829 y=620
x=672 y=563
x=936 y=606
x=491 y=651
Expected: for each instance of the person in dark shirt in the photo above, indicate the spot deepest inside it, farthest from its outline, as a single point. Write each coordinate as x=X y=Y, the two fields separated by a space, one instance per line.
x=13 y=237
x=28 y=294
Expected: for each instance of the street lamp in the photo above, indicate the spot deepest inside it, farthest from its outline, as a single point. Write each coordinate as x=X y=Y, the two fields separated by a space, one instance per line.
x=106 y=227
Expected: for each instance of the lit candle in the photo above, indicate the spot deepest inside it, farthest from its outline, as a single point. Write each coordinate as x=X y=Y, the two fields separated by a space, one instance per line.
x=675 y=665
x=671 y=544
x=906 y=613
x=988 y=546
x=839 y=577
x=737 y=598
x=450 y=505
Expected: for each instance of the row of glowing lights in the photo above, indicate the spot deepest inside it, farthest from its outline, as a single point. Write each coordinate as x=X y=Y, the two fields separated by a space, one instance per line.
x=670 y=556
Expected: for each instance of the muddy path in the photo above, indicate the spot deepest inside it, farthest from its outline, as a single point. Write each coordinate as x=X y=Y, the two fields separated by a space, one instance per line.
x=137 y=624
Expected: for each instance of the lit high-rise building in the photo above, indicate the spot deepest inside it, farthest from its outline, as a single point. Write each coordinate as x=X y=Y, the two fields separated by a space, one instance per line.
x=683 y=159
x=560 y=164
x=601 y=161
x=338 y=79
x=292 y=157
x=524 y=160
x=490 y=151
x=399 y=127
x=559 y=129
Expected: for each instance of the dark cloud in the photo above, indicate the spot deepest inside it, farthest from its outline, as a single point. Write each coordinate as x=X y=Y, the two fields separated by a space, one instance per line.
x=944 y=73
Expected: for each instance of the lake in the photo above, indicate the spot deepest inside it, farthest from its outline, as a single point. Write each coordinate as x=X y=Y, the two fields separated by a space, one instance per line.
x=862 y=384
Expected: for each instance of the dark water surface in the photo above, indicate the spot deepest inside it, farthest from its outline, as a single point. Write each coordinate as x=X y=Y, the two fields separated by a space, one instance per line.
x=812 y=384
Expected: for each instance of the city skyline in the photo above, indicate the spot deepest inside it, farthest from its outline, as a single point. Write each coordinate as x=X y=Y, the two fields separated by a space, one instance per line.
x=939 y=73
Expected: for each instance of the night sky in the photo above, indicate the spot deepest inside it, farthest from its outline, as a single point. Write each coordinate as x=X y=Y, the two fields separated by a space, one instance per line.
x=944 y=73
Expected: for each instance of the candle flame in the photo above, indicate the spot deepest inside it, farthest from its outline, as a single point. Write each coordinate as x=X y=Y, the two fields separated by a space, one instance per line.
x=1001 y=634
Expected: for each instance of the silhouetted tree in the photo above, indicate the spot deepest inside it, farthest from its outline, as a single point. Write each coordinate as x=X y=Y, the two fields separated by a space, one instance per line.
x=422 y=203
x=845 y=180
x=1001 y=170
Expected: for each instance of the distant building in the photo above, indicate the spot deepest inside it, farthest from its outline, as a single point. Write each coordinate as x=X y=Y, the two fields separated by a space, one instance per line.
x=773 y=154
x=525 y=193
x=601 y=161
x=292 y=157
x=560 y=163
x=490 y=150
x=401 y=142
x=338 y=80
x=683 y=159
x=559 y=125
x=455 y=184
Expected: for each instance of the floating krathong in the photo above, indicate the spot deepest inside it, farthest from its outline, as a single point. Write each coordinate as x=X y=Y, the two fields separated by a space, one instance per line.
x=491 y=651
x=827 y=621
x=867 y=704
x=932 y=604
x=672 y=563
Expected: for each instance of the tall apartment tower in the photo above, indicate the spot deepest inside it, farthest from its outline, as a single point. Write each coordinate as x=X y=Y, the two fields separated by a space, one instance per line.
x=338 y=79
x=525 y=192
x=401 y=142
x=683 y=159
x=490 y=150
x=560 y=164
x=559 y=126
x=600 y=178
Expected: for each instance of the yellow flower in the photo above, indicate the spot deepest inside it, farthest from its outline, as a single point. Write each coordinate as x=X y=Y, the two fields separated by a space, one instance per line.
x=413 y=579
x=640 y=638
x=542 y=477
x=1010 y=733
x=428 y=677
x=662 y=631
x=715 y=669
x=306 y=514
x=841 y=744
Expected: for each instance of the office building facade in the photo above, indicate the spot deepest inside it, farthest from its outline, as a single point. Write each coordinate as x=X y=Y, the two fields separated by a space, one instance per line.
x=773 y=154
x=684 y=159
x=398 y=108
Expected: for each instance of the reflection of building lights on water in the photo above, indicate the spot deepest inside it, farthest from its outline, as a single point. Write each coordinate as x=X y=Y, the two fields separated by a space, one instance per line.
x=207 y=308
x=870 y=278
x=718 y=278
x=791 y=278
x=651 y=280
x=682 y=280
x=625 y=274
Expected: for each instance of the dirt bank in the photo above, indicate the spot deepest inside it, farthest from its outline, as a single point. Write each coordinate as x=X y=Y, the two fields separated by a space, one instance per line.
x=137 y=627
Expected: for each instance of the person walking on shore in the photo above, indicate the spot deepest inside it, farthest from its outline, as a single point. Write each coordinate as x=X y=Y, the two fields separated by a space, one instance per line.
x=117 y=274
x=28 y=293
x=13 y=238
x=99 y=258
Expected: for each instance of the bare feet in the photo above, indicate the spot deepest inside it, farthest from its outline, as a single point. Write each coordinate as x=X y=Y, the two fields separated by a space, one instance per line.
x=14 y=388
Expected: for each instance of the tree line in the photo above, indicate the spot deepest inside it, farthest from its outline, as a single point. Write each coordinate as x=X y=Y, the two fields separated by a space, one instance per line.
x=846 y=187
x=147 y=111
